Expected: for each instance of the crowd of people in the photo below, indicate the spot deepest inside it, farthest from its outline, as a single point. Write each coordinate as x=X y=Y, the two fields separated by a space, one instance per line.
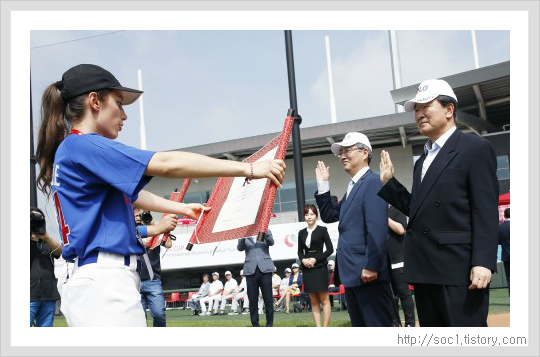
x=213 y=299
x=441 y=237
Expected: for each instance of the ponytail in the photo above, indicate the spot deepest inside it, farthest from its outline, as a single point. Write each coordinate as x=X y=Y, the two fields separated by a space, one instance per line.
x=51 y=133
x=57 y=117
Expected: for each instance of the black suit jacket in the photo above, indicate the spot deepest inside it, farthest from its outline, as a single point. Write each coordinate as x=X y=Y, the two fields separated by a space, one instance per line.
x=504 y=240
x=453 y=216
x=319 y=238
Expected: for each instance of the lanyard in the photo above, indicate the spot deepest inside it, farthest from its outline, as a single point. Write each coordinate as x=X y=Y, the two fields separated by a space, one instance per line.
x=77 y=132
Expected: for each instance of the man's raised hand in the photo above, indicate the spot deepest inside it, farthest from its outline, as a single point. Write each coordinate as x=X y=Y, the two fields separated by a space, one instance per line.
x=386 y=167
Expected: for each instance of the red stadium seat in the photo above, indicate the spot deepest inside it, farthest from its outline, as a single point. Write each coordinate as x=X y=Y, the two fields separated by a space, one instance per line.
x=175 y=297
x=340 y=292
x=183 y=300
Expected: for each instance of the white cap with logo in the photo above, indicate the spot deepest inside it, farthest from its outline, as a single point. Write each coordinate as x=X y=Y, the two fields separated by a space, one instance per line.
x=351 y=139
x=429 y=90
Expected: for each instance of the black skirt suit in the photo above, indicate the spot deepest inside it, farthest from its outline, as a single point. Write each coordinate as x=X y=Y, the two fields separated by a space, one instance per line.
x=316 y=278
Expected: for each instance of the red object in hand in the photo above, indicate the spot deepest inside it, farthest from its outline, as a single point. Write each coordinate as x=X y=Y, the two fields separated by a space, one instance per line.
x=186 y=221
x=176 y=197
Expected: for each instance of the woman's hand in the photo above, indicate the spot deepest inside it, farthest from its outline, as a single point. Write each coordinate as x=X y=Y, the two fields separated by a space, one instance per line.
x=272 y=169
x=194 y=210
x=307 y=263
x=167 y=223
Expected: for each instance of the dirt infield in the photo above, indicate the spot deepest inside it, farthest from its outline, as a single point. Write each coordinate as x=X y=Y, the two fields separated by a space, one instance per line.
x=494 y=320
x=499 y=320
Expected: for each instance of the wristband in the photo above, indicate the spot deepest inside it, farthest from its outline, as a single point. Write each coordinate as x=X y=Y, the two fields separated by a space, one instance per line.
x=248 y=180
x=143 y=231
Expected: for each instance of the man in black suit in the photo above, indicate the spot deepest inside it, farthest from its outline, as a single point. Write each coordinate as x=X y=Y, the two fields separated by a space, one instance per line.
x=451 y=239
x=504 y=241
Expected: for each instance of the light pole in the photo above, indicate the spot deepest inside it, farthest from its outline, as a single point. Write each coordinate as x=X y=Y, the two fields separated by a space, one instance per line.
x=297 y=147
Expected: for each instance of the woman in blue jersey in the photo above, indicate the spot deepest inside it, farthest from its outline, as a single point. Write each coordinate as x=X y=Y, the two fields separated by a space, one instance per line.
x=95 y=182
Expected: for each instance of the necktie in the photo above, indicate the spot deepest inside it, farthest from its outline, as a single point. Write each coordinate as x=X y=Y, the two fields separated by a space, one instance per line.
x=351 y=185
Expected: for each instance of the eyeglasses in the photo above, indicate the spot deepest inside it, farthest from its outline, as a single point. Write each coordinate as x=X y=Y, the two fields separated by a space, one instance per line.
x=347 y=151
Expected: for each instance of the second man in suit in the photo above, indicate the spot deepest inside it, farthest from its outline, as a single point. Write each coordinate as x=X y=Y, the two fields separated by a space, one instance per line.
x=361 y=258
x=258 y=269
x=451 y=238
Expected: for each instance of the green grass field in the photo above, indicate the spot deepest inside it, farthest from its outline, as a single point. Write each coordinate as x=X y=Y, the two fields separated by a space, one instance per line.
x=499 y=304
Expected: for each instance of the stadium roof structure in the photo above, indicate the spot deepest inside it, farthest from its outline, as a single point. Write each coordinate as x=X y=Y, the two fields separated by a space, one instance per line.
x=483 y=107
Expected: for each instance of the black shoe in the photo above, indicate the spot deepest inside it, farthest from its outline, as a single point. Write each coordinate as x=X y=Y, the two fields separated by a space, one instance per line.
x=194 y=313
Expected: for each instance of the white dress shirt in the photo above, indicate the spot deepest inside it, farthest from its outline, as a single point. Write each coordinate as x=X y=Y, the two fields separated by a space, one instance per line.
x=432 y=149
x=308 y=238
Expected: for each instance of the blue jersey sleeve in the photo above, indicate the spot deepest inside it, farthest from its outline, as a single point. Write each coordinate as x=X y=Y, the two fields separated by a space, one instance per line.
x=105 y=161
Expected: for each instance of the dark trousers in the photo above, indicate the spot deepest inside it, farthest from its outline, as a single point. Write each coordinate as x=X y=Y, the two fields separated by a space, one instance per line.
x=370 y=305
x=264 y=282
x=402 y=293
x=506 y=264
x=451 y=306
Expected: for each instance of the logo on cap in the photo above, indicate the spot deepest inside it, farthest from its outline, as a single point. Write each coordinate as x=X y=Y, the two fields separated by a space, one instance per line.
x=422 y=88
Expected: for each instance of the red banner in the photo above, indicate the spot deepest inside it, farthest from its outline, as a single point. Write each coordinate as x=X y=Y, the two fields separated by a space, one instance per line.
x=176 y=197
x=214 y=227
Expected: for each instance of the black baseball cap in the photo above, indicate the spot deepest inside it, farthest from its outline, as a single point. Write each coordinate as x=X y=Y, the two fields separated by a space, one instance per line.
x=85 y=78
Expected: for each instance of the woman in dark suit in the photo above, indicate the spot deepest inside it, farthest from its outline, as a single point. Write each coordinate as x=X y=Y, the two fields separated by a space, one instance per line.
x=314 y=262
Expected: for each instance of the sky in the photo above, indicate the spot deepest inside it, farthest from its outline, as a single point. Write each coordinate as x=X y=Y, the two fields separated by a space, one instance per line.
x=206 y=86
